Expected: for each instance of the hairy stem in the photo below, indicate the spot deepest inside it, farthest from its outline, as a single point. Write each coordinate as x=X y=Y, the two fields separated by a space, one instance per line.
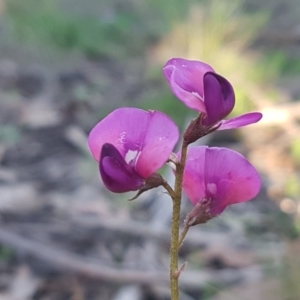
x=175 y=243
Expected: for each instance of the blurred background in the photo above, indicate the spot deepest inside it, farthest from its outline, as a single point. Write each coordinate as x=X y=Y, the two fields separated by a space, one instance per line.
x=64 y=65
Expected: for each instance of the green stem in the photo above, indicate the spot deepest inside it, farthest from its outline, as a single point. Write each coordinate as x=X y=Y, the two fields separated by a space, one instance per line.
x=175 y=243
x=168 y=189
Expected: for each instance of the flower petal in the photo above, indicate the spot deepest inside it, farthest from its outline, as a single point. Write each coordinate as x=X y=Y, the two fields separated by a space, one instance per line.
x=241 y=121
x=151 y=134
x=125 y=128
x=219 y=174
x=229 y=178
x=116 y=174
x=161 y=137
x=186 y=81
x=219 y=98
x=193 y=179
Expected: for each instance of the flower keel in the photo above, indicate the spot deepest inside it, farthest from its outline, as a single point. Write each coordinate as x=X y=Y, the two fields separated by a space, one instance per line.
x=117 y=175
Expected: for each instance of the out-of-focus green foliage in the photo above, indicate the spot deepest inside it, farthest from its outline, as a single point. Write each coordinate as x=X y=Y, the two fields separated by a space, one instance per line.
x=295 y=149
x=9 y=134
x=107 y=28
x=5 y=253
x=292 y=187
x=44 y=22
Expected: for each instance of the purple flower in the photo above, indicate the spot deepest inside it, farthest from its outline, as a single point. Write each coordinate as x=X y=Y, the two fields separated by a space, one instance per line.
x=198 y=86
x=130 y=145
x=215 y=178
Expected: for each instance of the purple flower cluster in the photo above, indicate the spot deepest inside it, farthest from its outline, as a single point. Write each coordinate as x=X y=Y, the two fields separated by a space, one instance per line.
x=131 y=144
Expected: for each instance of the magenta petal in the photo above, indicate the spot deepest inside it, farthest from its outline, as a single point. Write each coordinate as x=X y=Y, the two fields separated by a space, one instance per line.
x=193 y=180
x=229 y=178
x=161 y=137
x=221 y=175
x=241 y=121
x=116 y=174
x=145 y=139
x=186 y=81
x=125 y=128
x=219 y=98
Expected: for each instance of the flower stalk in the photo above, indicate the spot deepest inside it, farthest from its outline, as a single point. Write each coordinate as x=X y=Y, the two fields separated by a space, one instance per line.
x=175 y=242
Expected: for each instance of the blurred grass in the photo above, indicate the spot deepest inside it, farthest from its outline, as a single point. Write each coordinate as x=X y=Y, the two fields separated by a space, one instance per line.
x=218 y=32
x=114 y=29
x=43 y=22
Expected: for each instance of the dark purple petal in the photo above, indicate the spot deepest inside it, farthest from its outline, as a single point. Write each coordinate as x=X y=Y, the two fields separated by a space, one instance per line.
x=161 y=137
x=219 y=98
x=125 y=128
x=116 y=174
x=240 y=121
x=186 y=81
